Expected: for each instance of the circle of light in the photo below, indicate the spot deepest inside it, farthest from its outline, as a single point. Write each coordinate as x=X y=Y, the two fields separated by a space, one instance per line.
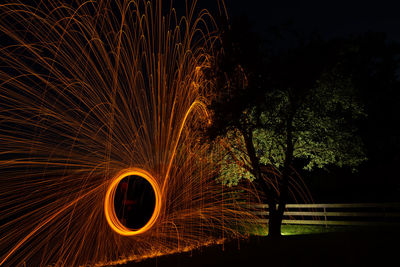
x=109 y=209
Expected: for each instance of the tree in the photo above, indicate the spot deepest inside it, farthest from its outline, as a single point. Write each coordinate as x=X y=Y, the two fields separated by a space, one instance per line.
x=303 y=109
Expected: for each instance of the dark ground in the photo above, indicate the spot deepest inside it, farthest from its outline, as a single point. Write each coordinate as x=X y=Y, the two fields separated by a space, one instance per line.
x=379 y=247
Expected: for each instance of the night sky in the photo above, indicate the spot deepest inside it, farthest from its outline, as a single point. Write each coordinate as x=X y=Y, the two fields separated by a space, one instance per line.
x=329 y=18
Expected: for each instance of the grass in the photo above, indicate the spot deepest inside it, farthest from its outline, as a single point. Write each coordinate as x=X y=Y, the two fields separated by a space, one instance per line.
x=289 y=229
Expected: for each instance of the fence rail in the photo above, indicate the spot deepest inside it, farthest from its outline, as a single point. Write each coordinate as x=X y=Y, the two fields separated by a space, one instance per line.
x=356 y=214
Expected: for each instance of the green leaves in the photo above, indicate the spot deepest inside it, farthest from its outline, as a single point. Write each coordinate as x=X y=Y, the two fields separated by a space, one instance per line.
x=324 y=129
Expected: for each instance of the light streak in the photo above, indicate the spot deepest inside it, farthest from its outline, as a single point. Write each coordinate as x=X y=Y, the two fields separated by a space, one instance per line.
x=109 y=210
x=94 y=91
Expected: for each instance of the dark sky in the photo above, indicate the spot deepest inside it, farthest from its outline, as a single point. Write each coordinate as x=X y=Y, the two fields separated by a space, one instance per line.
x=327 y=17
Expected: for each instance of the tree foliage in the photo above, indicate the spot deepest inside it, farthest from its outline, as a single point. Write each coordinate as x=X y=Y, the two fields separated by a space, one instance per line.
x=324 y=130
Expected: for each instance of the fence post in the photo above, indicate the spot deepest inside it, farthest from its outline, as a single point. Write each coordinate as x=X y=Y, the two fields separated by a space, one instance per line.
x=326 y=223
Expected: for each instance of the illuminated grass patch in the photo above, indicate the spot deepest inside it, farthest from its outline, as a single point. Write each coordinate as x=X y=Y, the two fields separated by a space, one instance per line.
x=303 y=229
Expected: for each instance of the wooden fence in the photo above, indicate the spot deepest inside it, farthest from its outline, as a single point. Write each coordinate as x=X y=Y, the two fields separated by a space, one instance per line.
x=357 y=214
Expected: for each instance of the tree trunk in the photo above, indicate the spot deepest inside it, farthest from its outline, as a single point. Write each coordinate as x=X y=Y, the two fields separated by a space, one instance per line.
x=251 y=151
x=275 y=219
x=275 y=208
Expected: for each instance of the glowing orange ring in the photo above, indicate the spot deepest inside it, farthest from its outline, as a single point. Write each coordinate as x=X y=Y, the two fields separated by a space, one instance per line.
x=109 y=209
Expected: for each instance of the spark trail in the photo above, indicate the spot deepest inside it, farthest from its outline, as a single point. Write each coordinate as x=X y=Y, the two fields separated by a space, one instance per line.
x=92 y=91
